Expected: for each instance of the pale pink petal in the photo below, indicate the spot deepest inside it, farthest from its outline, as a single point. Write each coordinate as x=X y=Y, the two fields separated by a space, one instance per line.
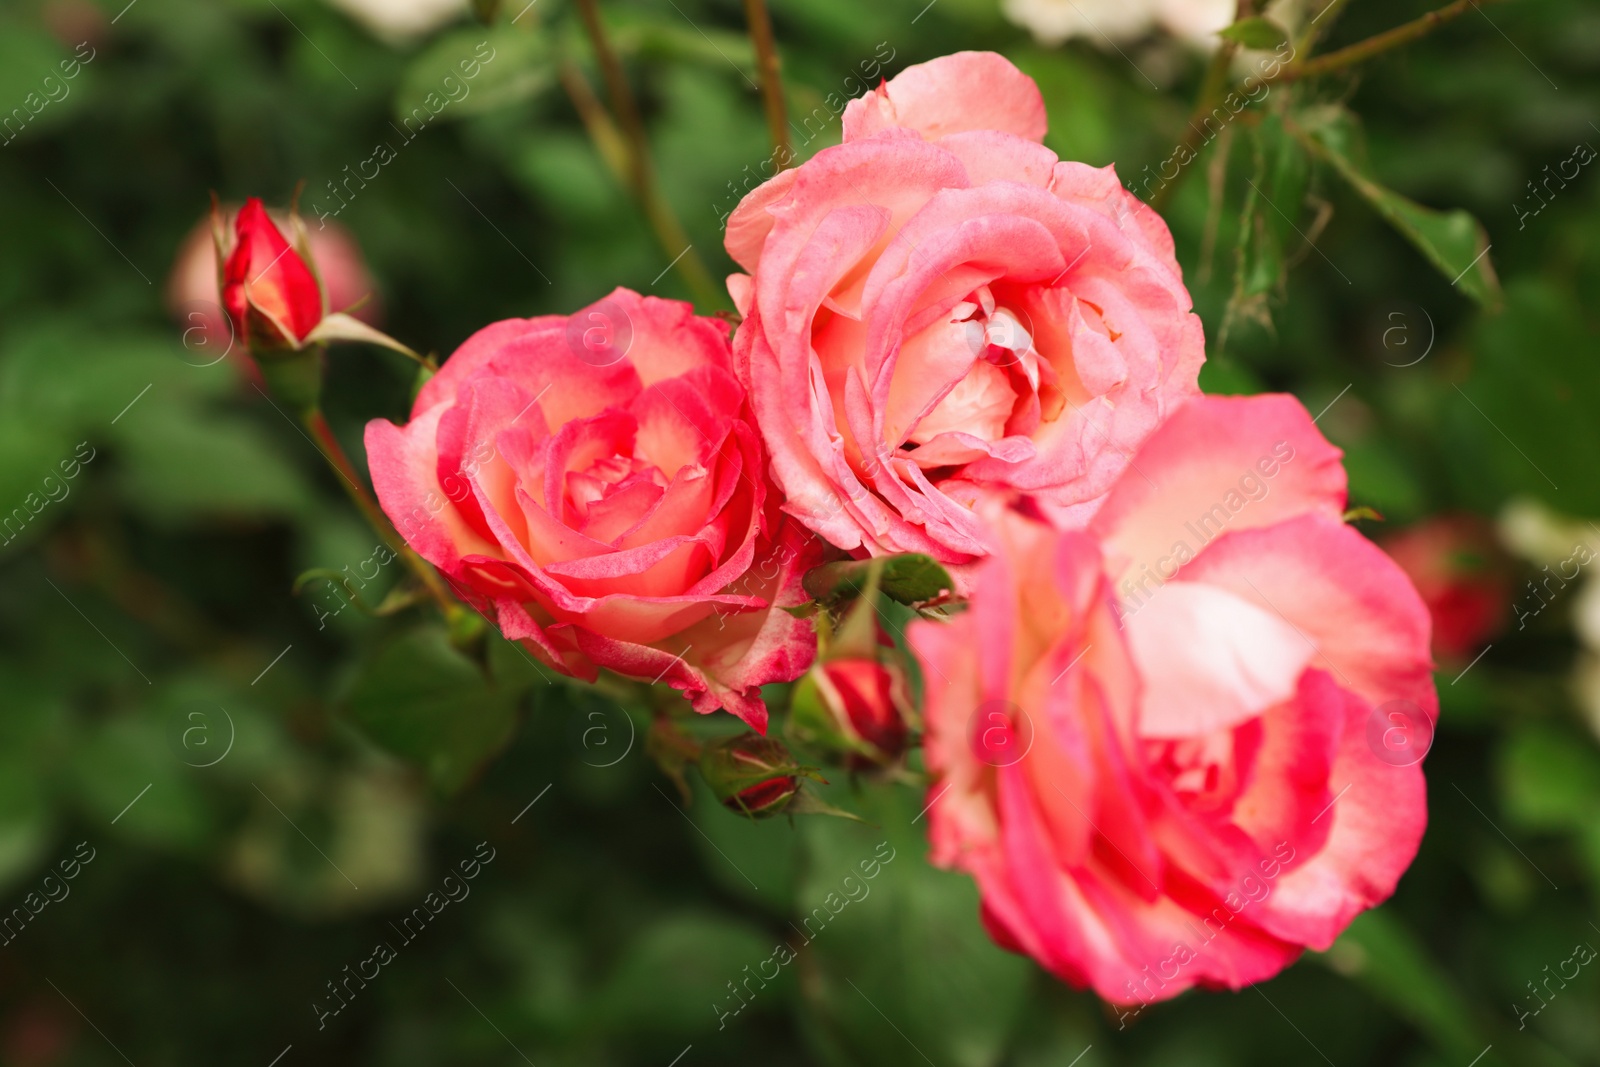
x=1211 y=660
x=964 y=91
x=1218 y=464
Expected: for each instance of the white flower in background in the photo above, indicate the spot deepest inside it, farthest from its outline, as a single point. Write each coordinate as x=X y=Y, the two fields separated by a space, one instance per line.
x=399 y=20
x=1566 y=551
x=1100 y=21
x=1529 y=529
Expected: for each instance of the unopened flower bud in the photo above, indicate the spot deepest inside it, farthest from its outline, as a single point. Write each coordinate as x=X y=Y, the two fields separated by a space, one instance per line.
x=855 y=706
x=270 y=293
x=752 y=775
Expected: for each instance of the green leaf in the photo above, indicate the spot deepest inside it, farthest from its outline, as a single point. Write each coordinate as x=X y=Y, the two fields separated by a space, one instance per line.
x=1267 y=228
x=676 y=973
x=84 y=379
x=910 y=578
x=466 y=73
x=1453 y=241
x=426 y=702
x=1550 y=779
x=676 y=40
x=128 y=777
x=1286 y=177
x=184 y=463
x=1521 y=420
x=34 y=82
x=1257 y=32
x=33 y=487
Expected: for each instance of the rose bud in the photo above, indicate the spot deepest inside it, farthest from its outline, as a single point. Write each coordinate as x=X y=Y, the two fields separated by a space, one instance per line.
x=1463 y=576
x=752 y=775
x=270 y=288
x=855 y=706
x=269 y=292
x=194 y=297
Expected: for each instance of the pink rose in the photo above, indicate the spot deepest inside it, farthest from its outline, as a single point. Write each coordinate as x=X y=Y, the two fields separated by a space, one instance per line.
x=1182 y=745
x=595 y=480
x=939 y=306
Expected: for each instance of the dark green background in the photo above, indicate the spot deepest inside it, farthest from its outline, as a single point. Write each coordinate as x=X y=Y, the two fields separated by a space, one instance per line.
x=607 y=927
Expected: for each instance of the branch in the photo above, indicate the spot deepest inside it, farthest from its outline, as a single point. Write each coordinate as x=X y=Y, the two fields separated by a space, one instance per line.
x=1213 y=87
x=322 y=436
x=641 y=172
x=1377 y=44
x=771 y=80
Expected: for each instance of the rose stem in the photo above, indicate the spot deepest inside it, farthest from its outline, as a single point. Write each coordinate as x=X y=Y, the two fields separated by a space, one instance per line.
x=322 y=436
x=1325 y=64
x=641 y=173
x=1213 y=87
x=1378 y=43
x=760 y=21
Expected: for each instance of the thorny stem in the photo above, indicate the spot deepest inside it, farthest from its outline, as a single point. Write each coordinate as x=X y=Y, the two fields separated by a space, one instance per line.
x=1309 y=34
x=1213 y=87
x=760 y=21
x=322 y=435
x=602 y=129
x=1211 y=92
x=1378 y=43
x=640 y=170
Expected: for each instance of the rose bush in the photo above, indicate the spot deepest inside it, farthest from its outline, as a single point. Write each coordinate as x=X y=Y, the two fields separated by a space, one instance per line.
x=939 y=307
x=595 y=482
x=1182 y=786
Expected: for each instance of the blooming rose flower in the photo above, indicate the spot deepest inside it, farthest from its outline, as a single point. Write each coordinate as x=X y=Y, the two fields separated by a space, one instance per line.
x=595 y=481
x=193 y=296
x=938 y=306
x=1192 y=784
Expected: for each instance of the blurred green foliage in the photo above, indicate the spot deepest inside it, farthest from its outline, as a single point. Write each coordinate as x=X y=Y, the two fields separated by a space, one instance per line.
x=268 y=789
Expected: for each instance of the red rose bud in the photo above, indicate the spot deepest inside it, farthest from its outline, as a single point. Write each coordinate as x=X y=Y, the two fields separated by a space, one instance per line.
x=194 y=299
x=857 y=707
x=270 y=293
x=1463 y=576
x=752 y=775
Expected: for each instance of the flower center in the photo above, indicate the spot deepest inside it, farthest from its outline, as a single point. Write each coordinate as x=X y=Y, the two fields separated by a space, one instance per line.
x=609 y=476
x=1009 y=389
